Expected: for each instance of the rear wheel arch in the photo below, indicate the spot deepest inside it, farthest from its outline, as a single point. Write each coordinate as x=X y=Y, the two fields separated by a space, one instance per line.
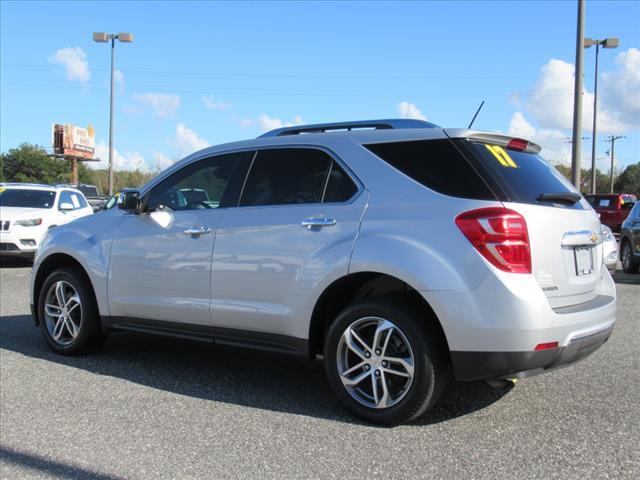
x=50 y=264
x=364 y=285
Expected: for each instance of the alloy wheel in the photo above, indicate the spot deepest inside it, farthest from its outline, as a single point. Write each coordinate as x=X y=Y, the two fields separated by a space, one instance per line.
x=63 y=312
x=375 y=362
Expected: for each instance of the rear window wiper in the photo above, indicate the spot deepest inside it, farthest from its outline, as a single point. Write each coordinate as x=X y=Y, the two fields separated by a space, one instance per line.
x=561 y=197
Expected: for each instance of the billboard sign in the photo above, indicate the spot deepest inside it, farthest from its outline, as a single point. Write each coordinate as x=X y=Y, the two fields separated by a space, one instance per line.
x=74 y=141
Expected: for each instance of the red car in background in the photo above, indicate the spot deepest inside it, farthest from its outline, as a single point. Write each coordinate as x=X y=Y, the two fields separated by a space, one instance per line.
x=613 y=209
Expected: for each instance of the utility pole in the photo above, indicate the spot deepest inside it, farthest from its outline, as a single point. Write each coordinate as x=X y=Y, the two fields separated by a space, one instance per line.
x=576 y=153
x=612 y=139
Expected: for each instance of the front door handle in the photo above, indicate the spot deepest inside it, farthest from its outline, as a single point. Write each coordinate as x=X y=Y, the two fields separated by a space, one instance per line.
x=197 y=231
x=317 y=222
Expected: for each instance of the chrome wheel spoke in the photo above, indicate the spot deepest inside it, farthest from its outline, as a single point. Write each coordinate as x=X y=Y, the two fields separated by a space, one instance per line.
x=52 y=310
x=72 y=328
x=60 y=294
x=72 y=303
x=354 y=368
x=355 y=380
x=384 y=327
x=58 y=327
x=351 y=339
x=407 y=364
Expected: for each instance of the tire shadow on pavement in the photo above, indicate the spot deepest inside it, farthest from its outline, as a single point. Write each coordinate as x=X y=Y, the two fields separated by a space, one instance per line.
x=223 y=374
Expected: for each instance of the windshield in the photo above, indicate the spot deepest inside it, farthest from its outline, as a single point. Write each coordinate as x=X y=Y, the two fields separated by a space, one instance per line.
x=20 y=197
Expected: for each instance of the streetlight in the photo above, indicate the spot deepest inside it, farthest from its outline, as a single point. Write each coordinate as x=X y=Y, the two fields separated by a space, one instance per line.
x=102 y=37
x=606 y=43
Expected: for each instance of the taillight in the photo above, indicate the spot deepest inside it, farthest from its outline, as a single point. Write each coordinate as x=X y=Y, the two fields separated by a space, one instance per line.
x=500 y=235
x=517 y=144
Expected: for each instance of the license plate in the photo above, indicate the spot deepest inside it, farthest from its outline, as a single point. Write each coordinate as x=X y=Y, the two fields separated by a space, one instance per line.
x=584 y=260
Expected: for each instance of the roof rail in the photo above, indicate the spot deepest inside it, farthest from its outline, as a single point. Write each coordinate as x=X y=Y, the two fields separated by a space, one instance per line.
x=389 y=124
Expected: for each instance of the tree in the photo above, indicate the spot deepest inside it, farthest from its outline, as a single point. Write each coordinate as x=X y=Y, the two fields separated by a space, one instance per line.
x=30 y=163
x=629 y=180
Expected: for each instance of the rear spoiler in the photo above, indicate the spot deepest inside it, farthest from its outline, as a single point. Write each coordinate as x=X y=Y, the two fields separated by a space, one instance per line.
x=506 y=141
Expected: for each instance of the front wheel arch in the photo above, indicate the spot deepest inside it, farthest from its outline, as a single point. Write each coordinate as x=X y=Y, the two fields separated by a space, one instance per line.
x=47 y=266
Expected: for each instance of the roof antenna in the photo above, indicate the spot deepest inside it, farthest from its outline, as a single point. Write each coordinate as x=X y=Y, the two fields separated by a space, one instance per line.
x=477 y=112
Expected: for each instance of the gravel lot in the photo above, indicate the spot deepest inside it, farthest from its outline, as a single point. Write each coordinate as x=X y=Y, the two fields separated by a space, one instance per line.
x=147 y=407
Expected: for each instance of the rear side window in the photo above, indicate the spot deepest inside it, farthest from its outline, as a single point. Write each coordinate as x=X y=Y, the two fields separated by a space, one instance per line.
x=436 y=164
x=523 y=177
x=340 y=187
x=286 y=176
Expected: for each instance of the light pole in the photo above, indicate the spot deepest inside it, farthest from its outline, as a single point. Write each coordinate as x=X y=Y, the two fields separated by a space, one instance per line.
x=576 y=155
x=102 y=37
x=606 y=43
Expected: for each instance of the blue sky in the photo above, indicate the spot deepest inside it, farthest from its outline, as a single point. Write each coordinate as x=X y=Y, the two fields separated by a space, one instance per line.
x=205 y=73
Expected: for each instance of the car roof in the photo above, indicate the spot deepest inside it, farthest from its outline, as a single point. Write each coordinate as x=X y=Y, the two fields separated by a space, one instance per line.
x=37 y=186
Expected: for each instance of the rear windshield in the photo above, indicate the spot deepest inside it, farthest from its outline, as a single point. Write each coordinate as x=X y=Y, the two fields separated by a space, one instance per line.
x=88 y=190
x=523 y=176
x=436 y=164
x=19 y=197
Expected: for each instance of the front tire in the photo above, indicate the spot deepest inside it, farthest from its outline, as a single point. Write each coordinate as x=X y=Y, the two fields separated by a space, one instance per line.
x=384 y=361
x=69 y=319
x=629 y=265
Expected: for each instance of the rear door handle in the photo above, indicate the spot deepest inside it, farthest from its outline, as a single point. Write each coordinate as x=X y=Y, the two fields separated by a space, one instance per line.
x=197 y=231
x=317 y=222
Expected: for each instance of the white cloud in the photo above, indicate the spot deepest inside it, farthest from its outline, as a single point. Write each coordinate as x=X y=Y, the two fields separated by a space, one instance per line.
x=75 y=61
x=409 y=110
x=187 y=141
x=212 y=104
x=551 y=100
x=118 y=77
x=128 y=161
x=163 y=161
x=555 y=148
x=270 y=123
x=621 y=90
x=163 y=104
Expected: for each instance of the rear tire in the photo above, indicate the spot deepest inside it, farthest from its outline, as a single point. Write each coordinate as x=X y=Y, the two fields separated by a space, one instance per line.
x=69 y=318
x=384 y=361
x=629 y=265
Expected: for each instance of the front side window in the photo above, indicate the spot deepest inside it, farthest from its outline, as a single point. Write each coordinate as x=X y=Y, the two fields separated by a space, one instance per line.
x=22 y=197
x=286 y=176
x=200 y=185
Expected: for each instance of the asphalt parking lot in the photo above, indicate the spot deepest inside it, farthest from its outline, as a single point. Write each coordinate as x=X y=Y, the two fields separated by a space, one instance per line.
x=148 y=407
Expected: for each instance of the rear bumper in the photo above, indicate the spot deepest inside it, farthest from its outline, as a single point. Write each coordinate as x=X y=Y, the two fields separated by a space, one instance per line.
x=490 y=365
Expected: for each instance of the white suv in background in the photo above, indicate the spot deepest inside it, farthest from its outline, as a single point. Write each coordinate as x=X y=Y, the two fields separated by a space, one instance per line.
x=28 y=211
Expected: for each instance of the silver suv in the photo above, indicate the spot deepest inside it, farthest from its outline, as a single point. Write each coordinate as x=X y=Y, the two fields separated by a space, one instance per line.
x=399 y=252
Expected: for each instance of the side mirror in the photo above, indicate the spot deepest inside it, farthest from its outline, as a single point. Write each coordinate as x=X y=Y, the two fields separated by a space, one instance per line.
x=129 y=202
x=66 y=206
x=628 y=205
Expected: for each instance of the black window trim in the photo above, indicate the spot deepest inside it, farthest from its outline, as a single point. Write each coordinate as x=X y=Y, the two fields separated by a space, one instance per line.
x=332 y=155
